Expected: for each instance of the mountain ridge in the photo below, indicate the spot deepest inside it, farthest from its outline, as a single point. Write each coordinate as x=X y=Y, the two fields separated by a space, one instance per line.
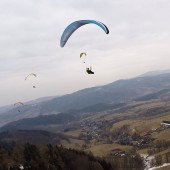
x=120 y=91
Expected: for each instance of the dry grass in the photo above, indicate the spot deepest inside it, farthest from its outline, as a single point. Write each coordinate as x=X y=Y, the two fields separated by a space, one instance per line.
x=163 y=152
x=143 y=151
x=163 y=135
x=105 y=149
x=140 y=125
x=74 y=143
x=144 y=124
x=74 y=133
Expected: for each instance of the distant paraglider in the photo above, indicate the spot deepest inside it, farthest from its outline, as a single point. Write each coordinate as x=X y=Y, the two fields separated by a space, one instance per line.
x=81 y=54
x=18 y=105
x=75 y=25
x=31 y=75
x=88 y=70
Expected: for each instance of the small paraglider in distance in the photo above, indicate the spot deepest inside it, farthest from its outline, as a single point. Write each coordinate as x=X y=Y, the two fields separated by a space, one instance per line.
x=81 y=55
x=75 y=25
x=29 y=75
x=18 y=104
x=89 y=70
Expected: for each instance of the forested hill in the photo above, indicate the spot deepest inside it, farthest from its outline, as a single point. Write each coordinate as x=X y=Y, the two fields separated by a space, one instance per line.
x=34 y=157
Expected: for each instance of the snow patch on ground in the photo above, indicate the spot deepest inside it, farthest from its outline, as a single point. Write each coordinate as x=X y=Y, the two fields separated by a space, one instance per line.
x=147 y=160
x=157 y=167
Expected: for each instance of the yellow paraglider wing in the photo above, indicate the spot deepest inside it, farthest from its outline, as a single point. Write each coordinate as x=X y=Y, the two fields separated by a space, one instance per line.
x=83 y=53
x=31 y=74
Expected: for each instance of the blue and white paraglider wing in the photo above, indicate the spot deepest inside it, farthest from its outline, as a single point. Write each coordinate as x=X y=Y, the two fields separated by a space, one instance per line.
x=75 y=25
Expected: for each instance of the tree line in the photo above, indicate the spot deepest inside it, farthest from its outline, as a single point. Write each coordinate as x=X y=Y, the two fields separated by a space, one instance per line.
x=15 y=156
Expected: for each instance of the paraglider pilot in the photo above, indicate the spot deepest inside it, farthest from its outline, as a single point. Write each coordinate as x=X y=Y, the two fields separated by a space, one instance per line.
x=89 y=71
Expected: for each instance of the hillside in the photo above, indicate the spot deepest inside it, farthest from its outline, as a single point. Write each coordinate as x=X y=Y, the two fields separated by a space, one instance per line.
x=97 y=99
x=154 y=73
x=42 y=157
x=46 y=122
x=121 y=91
x=111 y=128
x=93 y=129
x=123 y=130
x=32 y=136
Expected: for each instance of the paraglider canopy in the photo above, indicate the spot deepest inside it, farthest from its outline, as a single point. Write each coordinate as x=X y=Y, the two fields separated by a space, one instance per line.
x=31 y=74
x=83 y=53
x=75 y=25
x=17 y=104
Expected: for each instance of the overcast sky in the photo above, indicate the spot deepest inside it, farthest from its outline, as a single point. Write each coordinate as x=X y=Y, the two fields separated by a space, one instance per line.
x=30 y=32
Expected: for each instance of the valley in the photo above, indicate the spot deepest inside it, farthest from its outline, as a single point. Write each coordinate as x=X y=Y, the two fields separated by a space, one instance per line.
x=108 y=129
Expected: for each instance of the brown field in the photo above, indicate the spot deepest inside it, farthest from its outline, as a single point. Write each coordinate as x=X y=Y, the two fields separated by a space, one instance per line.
x=164 y=152
x=144 y=124
x=137 y=124
x=74 y=133
x=74 y=143
x=163 y=135
x=105 y=149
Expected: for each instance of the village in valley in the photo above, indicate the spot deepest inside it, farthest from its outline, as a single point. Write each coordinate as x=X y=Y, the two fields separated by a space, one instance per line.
x=101 y=131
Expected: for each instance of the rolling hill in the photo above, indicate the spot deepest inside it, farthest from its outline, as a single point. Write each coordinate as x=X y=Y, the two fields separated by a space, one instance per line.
x=121 y=91
x=32 y=136
x=39 y=122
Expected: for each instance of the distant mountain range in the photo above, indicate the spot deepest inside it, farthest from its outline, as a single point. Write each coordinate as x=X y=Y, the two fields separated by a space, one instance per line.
x=146 y=86
x=116 y=92
x=154 y=73
x=9 y=107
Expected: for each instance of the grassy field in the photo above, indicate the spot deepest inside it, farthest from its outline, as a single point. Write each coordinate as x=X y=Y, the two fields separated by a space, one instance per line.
x=74 y=133
x=143 y=151
x=144 y=124
x=163 y=135
x=74 y=143
x=105 y=149
x=136 y=123
x=163 y=152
